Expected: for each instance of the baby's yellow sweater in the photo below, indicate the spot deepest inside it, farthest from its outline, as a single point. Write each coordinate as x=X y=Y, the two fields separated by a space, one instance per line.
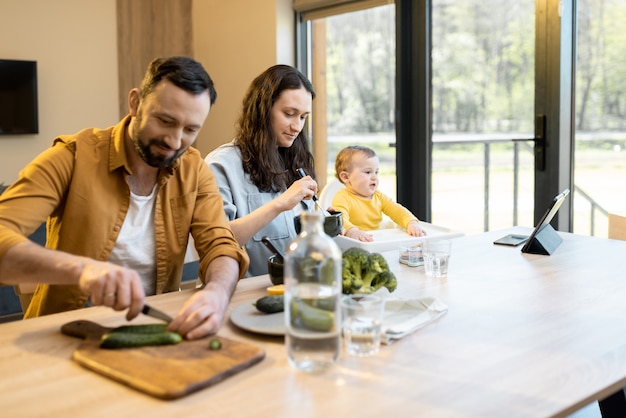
x=366 y=214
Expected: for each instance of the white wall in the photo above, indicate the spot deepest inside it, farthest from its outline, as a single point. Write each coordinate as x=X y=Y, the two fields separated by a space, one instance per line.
x=236 y=40
x=75 y=45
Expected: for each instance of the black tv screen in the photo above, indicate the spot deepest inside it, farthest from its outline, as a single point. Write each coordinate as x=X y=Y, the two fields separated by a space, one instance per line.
x=18 y=97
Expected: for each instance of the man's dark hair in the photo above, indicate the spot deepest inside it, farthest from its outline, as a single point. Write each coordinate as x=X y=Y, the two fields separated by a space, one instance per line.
x=183 y=72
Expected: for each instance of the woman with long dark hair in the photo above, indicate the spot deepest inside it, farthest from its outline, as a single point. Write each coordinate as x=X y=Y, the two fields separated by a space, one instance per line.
x=257 y=171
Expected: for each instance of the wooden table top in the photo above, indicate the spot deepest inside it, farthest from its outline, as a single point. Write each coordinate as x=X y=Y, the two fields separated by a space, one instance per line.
x=525 y=336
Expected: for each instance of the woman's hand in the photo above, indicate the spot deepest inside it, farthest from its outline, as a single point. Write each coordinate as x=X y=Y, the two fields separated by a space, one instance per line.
x=300 y=190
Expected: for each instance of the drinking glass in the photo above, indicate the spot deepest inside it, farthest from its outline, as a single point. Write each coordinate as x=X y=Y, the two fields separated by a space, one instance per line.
x=362 y=323
x=436 y=257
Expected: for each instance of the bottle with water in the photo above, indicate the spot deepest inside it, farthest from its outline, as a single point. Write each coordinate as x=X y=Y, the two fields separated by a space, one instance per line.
x=312 y=291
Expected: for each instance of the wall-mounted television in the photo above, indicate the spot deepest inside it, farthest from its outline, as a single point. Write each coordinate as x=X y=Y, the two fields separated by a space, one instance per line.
x=18 y=97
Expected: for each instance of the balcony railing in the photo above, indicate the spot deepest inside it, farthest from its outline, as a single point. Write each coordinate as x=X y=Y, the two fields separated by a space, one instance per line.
x=520 y=143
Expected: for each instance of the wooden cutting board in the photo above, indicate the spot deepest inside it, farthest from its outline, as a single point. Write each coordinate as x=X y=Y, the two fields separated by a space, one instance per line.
x=166 y=372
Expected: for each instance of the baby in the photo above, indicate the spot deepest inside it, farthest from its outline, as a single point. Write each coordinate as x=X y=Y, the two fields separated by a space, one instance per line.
x=361 y=203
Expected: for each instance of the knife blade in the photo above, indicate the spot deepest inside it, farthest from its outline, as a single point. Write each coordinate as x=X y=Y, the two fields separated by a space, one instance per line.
x=155 y=313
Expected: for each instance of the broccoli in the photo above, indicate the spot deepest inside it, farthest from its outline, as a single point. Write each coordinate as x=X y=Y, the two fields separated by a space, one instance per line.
x=358 y=260
x=386 y=279
x=365 y=272
x=347 y=276
x=376 y=264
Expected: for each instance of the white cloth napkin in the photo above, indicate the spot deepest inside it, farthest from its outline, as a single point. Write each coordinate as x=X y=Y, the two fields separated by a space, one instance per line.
x=405 y=316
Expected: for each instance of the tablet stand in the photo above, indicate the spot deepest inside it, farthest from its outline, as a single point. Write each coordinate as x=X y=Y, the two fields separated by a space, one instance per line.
x=544 y=242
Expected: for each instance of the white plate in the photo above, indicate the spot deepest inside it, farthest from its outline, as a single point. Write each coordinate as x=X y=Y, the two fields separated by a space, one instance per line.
x=392 y=238
x=246 y=316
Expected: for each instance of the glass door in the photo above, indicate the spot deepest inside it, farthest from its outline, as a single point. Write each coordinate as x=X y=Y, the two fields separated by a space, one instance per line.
x=486 y=76
x=354 y=77
x=600 y=118
x=483 y=97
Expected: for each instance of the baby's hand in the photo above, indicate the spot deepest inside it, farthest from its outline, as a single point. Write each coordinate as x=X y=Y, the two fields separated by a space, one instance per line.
x=357 y=234
x=414 y=229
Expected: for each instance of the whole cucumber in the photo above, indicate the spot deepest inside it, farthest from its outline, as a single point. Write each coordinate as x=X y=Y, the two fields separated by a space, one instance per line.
x=307 y=316
x=271 y=304
x=128 y=339
x=141 y=329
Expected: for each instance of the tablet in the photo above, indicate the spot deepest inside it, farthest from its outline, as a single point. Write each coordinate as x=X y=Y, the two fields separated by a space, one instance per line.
x=512 y=240
x=515 y=239
x=545 y=219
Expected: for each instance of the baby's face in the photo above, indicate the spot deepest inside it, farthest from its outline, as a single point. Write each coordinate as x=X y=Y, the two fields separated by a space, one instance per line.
x=363 y=178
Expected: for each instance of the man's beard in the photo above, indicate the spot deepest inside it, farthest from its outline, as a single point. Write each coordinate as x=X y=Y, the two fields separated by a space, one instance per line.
x=142 y=147
x=158 y=161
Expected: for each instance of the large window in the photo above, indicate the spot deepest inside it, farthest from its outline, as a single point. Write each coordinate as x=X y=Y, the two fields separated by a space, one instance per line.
x=359 y=73
x=483 y=106
x=483 y=98
x=600 y=121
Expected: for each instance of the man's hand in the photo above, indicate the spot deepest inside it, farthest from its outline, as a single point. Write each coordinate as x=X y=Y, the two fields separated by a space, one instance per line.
x=106 y=283
x=203 y=313
x=114 y=286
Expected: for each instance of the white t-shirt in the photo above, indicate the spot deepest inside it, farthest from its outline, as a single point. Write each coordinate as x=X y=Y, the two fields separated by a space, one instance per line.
x=135 y=244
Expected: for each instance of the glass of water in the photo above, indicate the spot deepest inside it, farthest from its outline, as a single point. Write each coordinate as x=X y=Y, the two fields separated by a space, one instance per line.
x=362 y=317
x=436 y=257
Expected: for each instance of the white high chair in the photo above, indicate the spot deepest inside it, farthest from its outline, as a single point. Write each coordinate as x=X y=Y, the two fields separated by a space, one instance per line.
x=328 y=192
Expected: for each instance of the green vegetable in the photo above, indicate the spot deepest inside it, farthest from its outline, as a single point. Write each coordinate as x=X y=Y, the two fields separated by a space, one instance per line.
x=315 y=268
x=271 y=304
x=130 y=339
x=304 y=315
x=141 y=329
x=215 y=344
x=327 y=304
x=365 y=272
x=387 y=279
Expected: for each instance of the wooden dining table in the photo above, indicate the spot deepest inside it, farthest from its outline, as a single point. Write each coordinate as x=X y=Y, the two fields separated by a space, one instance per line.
x=524 y=336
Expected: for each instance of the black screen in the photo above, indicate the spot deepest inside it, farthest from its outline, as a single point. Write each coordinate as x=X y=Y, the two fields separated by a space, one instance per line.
x=18 y=97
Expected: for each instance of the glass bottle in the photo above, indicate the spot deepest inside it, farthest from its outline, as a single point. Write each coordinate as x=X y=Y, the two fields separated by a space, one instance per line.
x=312 y=292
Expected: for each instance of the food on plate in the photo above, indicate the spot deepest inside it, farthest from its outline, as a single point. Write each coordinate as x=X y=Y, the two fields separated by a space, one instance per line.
x=365 y=272
x=313 y=314
x=276 y=290
x=116 y=339
x=271 y=304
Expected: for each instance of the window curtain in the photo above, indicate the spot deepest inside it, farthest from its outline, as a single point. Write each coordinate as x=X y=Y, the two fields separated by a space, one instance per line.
x=317 y=9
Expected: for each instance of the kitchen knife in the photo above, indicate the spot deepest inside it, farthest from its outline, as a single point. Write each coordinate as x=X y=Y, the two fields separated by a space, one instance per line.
x=155 y=313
